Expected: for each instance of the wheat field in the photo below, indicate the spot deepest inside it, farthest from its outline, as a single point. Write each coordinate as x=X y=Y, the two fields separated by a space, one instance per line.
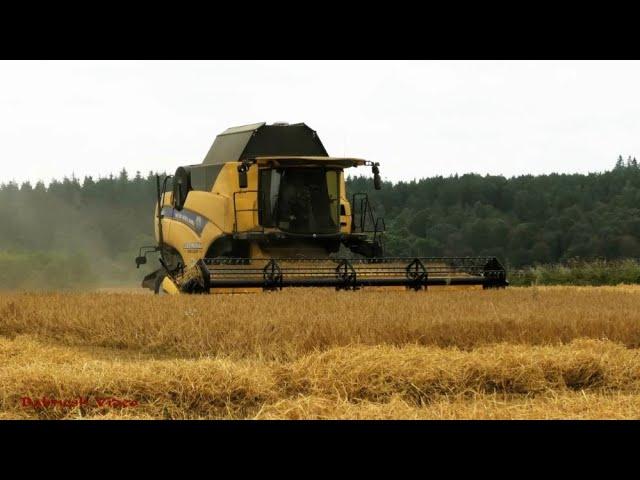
x=518 y=353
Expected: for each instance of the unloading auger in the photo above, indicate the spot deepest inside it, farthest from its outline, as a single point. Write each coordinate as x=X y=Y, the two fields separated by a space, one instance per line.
x=267 y=209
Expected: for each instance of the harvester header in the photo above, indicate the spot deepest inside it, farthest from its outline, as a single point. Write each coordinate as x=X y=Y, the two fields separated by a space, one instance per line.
x=268 y=209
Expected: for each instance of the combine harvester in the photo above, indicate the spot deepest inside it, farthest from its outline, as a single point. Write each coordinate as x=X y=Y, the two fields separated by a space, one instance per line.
x=268 y=209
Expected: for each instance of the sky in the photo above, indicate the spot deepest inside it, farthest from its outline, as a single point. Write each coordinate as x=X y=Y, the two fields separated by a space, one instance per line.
x=417 y=118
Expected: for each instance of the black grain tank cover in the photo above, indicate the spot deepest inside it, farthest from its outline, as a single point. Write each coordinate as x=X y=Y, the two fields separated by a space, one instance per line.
x=262 y=140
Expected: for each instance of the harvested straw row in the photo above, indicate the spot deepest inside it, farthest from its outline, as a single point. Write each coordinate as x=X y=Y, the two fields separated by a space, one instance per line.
x=354 y=377
x=552 y=405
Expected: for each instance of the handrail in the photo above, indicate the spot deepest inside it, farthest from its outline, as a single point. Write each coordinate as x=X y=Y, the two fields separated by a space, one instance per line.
x=366 y=214
x=160 y=199
x=236 y=210
x=377 y=232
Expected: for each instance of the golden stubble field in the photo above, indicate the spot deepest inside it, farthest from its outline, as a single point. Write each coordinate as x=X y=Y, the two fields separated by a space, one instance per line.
x=540 y=352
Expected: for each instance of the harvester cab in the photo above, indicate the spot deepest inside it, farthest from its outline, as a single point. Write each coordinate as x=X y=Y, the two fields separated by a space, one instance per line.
x=268 y=208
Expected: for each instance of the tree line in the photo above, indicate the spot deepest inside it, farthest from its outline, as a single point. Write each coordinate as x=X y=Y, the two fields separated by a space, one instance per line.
x=525 y=220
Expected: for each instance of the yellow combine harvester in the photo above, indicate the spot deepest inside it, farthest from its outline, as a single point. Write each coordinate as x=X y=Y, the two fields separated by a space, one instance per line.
x=268 y=208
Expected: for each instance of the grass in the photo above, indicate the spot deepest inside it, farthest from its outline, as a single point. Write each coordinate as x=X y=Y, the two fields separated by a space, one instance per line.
x=542 y=352
x=577 y=272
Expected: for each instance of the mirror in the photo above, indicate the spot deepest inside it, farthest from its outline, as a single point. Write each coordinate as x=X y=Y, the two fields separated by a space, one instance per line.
x=242 y=176
x=140 y=261
x=177 y=197
x=377 y=181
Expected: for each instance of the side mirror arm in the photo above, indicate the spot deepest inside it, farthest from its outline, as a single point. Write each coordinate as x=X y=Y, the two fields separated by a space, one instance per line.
x=141 y=259
x=243 y=168
x=243 y=181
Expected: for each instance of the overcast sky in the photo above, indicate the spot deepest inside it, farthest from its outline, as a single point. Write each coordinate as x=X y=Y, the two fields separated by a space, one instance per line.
x=419 y=118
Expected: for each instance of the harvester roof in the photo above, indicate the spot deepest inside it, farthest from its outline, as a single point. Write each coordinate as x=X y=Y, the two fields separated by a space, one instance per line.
x=286 y=161
x=262 y=140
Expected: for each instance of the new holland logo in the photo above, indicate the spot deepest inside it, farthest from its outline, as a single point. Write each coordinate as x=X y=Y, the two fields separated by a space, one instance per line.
x=191 y=219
